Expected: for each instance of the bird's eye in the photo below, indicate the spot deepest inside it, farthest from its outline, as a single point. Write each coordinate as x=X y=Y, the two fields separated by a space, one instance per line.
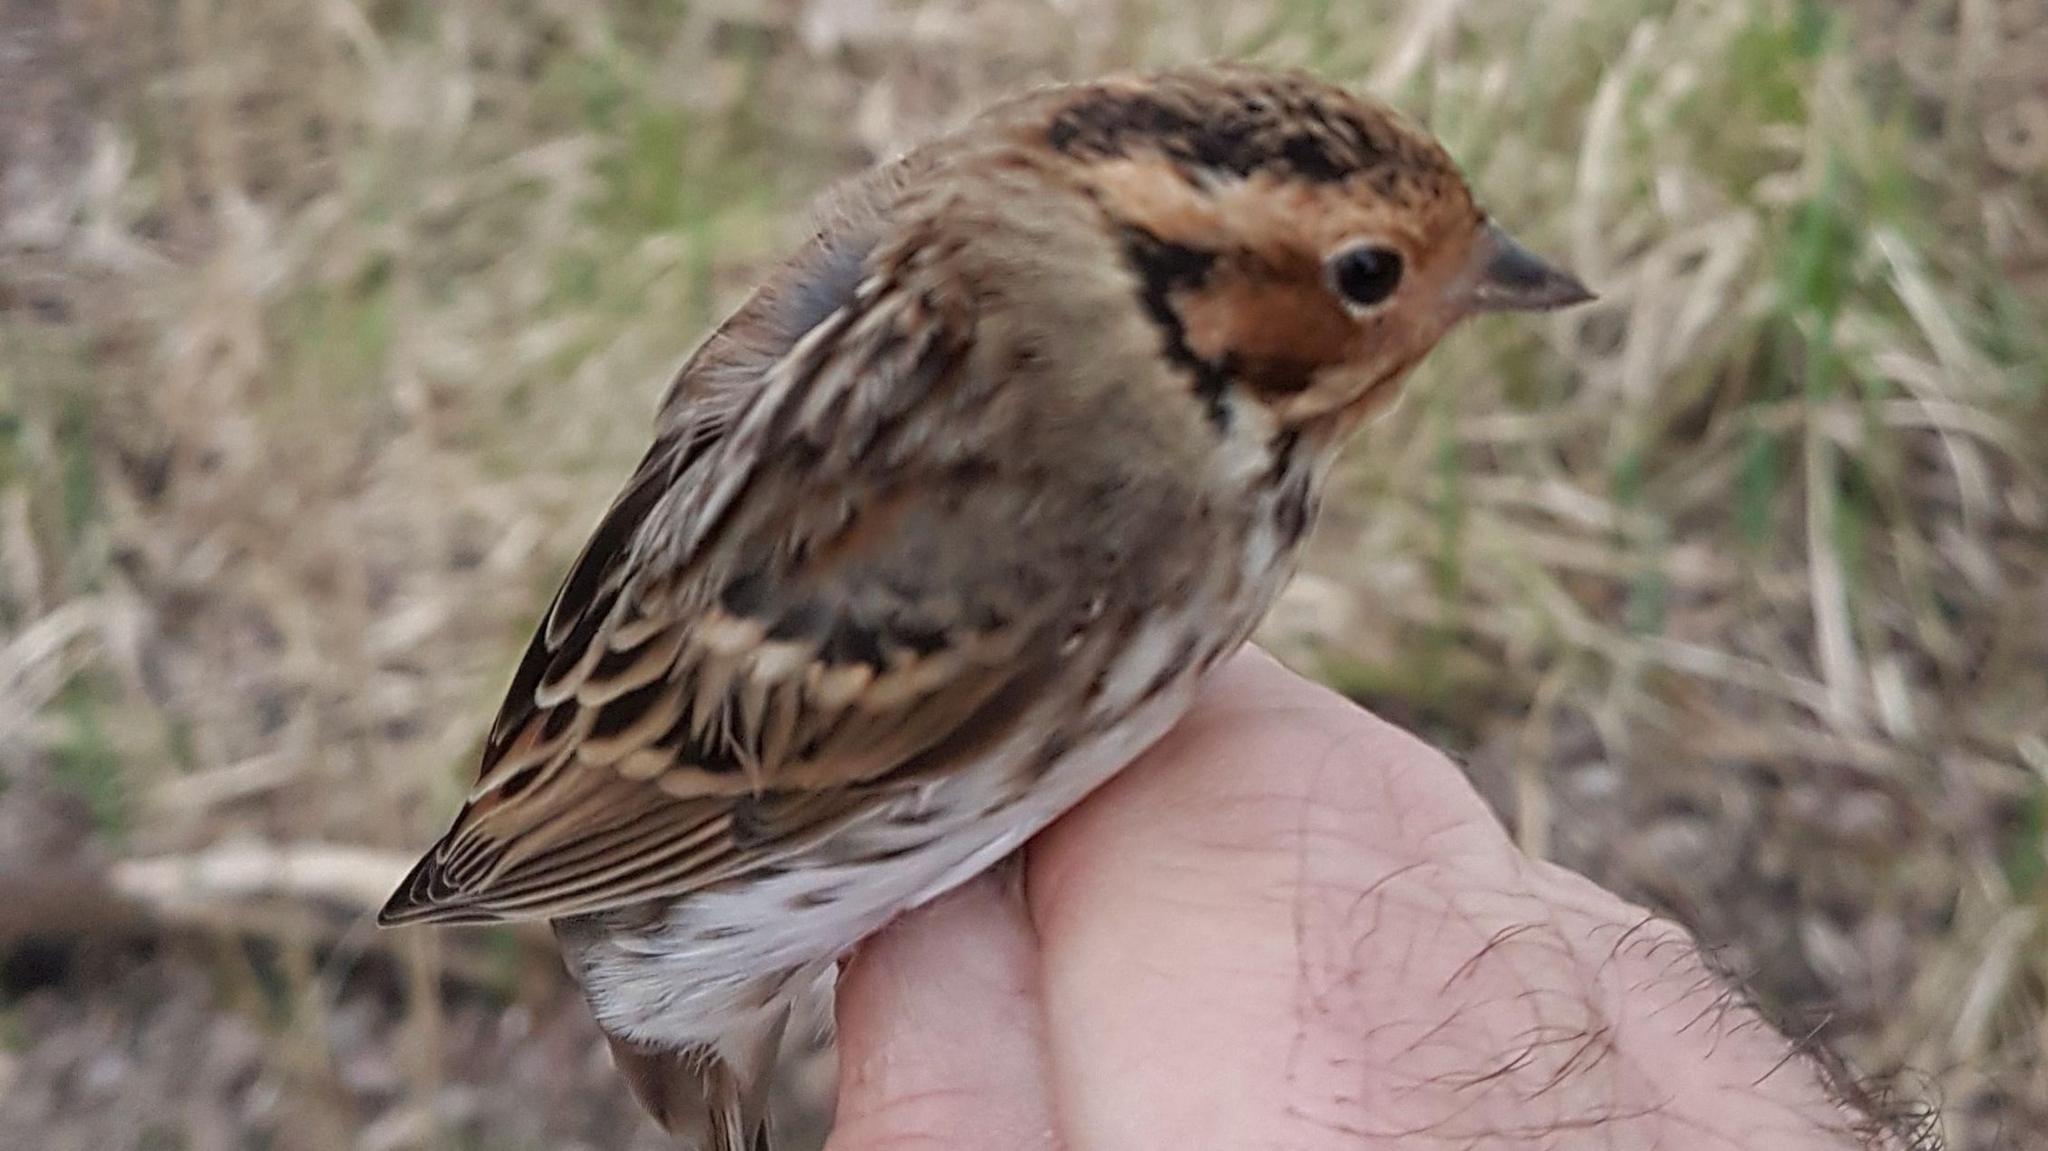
x=1365 y=275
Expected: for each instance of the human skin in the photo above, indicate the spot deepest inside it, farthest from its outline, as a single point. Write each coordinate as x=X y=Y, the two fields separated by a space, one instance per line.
x=1294 y=925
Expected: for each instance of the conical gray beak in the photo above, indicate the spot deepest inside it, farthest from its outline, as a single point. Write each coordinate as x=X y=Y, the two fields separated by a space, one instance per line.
x=1511 y=278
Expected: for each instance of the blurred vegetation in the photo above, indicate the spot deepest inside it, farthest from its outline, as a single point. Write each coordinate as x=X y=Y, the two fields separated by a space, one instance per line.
x=327 y=326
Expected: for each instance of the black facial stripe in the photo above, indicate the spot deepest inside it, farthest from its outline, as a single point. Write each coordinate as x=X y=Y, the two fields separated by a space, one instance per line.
x=1295 y=509
x=1240 y=136
x=1167 y=264
x=1277 y=377
x=1293 y=477
x=1163 y=267
x=1282 y=450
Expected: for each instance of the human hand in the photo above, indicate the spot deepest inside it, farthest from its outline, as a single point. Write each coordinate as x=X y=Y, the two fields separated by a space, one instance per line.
x=1291 y=924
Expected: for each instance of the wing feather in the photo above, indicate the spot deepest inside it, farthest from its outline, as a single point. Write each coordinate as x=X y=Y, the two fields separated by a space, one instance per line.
x=752 y=644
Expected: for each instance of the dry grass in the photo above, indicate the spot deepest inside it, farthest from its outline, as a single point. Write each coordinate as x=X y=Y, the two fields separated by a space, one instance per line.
x=326 y=326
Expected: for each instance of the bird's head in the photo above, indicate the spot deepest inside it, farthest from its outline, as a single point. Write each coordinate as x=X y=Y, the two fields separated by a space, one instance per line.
x=1295 y=241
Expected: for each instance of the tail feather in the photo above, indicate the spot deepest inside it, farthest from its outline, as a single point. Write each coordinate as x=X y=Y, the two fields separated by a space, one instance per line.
x=708 y=1102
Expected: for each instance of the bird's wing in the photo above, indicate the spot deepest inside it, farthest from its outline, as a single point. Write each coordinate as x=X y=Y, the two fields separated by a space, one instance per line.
x=780 y=615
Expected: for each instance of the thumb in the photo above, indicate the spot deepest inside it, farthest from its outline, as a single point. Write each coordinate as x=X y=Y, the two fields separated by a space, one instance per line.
x=941 y=1036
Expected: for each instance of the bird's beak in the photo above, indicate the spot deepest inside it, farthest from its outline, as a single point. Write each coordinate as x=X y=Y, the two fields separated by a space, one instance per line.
x=1510 y=278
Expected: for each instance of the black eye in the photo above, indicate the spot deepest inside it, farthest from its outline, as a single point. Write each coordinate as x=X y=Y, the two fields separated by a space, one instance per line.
x=1365 y=275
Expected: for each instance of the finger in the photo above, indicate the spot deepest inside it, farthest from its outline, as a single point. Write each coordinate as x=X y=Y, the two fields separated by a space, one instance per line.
x=940 y=1031
x=1207 y=921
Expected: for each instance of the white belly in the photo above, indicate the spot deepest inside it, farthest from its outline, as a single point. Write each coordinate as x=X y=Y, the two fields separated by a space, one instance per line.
x=724 y=955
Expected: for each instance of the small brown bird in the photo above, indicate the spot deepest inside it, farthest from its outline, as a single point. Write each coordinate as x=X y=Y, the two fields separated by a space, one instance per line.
x=939 y=530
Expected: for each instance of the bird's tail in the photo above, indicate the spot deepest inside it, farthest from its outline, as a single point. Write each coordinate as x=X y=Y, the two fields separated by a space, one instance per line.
x=708 y=1101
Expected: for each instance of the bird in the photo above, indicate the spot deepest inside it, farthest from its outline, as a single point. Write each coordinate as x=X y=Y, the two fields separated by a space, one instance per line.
x=941 y=528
